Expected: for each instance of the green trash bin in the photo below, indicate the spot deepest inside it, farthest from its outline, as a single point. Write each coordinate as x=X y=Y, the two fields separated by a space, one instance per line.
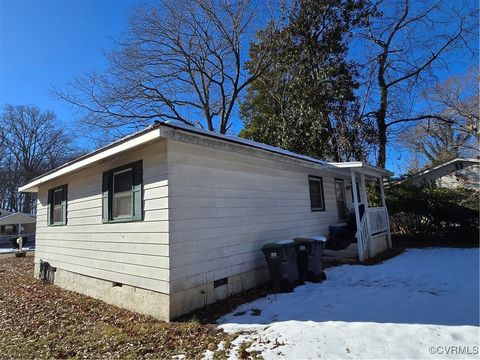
x=281 y=258
x=309 y=258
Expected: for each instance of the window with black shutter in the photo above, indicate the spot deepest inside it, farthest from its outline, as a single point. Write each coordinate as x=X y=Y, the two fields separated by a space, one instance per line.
x=57 y=206
x=122 y=193
x=317 y=201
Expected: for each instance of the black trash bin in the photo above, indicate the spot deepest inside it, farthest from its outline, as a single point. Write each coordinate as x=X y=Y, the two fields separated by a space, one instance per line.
x=282 y=264
x=309 y=258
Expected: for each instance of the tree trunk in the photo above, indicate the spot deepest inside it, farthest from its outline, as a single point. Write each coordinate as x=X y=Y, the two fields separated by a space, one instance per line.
x=381 y=114
x=382 y=139
x=27 y=203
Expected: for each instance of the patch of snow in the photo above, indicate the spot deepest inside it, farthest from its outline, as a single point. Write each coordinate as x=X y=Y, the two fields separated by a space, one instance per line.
x=12 y=250
x=319 y=238
x=421 y=300
x=282 y=242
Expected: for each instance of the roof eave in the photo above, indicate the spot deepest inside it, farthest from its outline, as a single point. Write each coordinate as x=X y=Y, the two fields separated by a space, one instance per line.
x=91 y=158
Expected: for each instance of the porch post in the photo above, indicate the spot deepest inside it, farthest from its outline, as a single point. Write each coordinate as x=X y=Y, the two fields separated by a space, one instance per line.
x=384 y=204
x=382 y=191
x=363 y=190
x=357 y=215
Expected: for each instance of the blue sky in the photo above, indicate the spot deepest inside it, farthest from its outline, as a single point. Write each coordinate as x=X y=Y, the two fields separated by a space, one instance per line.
x=48 y=43
x=45 y=44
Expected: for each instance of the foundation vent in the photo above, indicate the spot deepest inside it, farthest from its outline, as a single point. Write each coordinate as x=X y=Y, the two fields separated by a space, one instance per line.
x=220 y=282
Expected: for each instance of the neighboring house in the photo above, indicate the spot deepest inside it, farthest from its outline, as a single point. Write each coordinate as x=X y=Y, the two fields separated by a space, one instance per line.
x=456 y=173
x=15 y=224
x=4 y=212
x=173 y=218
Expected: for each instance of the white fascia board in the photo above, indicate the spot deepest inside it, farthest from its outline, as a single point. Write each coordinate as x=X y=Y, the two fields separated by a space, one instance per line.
x=364 y=167
x=89 y=160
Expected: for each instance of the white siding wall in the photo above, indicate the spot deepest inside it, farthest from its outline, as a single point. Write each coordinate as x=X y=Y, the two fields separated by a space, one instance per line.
x=131 y=253
x=224 y=206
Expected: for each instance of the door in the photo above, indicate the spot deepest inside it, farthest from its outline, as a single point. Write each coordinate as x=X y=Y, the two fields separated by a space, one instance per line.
x=341 y=203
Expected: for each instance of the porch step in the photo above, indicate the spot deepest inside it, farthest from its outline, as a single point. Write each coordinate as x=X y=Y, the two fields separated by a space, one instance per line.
x=350 y=252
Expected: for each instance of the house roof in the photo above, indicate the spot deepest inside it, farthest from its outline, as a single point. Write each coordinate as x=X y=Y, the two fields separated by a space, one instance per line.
x=4 y=212
x=439 y=166
x=18 y=218
x=173 y=130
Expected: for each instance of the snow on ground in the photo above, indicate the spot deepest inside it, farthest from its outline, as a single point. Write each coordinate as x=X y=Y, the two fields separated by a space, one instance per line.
x=11 y=250
x=421 y=304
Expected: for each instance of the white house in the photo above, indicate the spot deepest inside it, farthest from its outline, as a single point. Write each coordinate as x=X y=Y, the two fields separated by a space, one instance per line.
x=456 y=173
x=15 y=225
x=172 y=218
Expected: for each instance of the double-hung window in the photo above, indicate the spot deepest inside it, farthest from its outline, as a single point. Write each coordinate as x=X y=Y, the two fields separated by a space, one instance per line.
x=122 y=194
x=57 y=206
x=317 y=200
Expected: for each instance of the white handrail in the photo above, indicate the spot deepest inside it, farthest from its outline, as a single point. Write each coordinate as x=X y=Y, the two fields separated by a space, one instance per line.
x=378 y=219
x=363 y=237
x=374 y=221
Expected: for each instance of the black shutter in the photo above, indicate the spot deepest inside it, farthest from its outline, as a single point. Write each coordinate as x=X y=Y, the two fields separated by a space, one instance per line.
x=106 y=197
x=49 y=206
x=137 y=193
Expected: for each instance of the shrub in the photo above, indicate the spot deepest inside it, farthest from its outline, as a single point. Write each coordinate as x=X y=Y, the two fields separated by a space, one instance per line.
x=429 y=210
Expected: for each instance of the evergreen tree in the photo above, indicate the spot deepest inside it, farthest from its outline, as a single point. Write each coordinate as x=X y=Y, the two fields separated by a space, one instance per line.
x=305 y=100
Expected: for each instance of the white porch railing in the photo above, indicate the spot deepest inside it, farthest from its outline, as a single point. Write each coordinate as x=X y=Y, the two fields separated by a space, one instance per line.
x=374 y=221
x=378 y=219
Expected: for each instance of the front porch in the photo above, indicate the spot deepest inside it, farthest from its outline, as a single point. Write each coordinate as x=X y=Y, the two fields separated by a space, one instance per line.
x=372 y=230
x=14 y=226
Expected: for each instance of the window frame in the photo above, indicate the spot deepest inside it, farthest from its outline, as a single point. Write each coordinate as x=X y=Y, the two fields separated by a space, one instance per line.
x=322 y=193
x=64 y=205
x=112 y=189
x=136 y=191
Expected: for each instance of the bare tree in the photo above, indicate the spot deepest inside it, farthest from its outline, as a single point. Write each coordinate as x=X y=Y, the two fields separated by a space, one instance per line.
x=180 y=61
x=456 y=100
x=34 y=142
x=408 y=43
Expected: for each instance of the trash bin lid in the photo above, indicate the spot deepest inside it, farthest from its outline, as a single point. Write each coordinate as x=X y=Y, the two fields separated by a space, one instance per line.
x=304 y=239
x=311 y=238
x=270 y=245
x=285 y=242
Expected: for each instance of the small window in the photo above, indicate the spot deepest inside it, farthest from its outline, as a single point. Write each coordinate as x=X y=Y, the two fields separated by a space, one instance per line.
x=317 y=201
x=57 y=206
x=459 y=166
x=122 y=194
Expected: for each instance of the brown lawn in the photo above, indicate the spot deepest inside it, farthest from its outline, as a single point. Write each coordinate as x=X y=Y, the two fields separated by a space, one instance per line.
x=39 y=320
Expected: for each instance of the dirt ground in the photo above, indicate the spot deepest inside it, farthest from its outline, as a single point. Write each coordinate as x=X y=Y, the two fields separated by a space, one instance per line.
x=38 y=320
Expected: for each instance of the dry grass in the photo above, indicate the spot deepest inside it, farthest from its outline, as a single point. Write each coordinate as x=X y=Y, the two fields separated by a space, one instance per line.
x=39 y=320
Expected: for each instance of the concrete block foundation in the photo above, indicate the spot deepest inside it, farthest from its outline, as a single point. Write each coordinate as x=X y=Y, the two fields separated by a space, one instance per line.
x=161 y=306
x=128 y=297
